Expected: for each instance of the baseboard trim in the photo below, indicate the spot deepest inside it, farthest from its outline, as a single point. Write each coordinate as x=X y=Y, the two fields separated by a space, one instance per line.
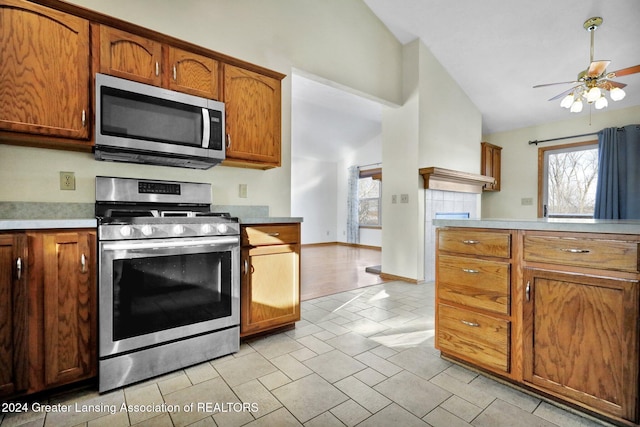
x=390 y=277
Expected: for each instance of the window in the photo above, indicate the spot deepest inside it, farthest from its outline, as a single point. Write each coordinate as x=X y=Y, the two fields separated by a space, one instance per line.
x=567 y=180
x=369 y=199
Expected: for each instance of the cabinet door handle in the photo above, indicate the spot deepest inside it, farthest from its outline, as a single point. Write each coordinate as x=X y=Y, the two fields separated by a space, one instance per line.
x=228 y=141
x=471 y=242
x=276 y=234
x=576 y=251
x=19 y=268
x=246 y=267
x=84 y=118
x=175 y=73
x=527 y=291
x=157 y=68
x=83 y=263
x=469 y=270
x=472 y=324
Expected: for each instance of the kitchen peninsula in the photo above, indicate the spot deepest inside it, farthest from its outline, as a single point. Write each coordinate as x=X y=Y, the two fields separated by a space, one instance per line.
x=551 y=305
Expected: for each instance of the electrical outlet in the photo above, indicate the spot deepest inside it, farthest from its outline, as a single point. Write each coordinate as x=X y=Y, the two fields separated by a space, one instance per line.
x=394 y=198
x=67 y=181
x=526 y=201
x=404 y=198
x=242 y=191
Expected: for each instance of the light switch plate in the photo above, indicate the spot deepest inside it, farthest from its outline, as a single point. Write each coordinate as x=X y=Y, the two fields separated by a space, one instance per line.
x=242 y=191
x=404 y=198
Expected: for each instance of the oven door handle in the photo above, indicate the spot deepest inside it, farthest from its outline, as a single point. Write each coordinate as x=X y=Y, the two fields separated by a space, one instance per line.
x=174 y=244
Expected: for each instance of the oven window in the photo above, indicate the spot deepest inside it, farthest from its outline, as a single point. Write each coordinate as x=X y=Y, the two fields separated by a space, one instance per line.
x=164 y=292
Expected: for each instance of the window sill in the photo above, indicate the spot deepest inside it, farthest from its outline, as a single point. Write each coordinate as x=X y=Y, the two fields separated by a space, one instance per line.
x=375 y=227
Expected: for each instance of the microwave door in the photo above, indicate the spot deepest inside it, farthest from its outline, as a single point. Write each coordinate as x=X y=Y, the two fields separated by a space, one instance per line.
x=206 y=128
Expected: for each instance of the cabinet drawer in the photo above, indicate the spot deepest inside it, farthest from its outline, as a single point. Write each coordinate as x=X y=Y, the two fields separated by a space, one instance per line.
x=480 y=339
x=475 y=283
x=473 y=242
x=582 y=252
x=270 y=235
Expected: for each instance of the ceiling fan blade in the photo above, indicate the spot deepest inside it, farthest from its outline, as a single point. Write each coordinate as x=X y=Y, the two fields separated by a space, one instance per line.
x=626 y=71
x=608 y=84
x=553 y=84
x=563 y=94
x=596 y=68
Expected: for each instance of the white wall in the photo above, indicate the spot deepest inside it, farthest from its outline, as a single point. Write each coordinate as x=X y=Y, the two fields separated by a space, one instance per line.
x=314 y=186
x=520 y=160
x=437 y=125
x=340 y=40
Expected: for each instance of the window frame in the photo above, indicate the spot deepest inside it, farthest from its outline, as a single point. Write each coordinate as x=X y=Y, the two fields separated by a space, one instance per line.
x=542 y=168
x=376 y=175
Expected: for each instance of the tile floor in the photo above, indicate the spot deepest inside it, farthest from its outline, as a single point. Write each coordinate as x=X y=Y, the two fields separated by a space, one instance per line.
x=363 y=357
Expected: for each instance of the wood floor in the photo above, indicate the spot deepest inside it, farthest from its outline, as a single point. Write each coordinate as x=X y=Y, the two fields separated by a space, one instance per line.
x=329 y=269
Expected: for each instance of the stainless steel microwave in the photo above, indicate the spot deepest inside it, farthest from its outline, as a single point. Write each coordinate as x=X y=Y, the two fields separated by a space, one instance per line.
x=139 y=123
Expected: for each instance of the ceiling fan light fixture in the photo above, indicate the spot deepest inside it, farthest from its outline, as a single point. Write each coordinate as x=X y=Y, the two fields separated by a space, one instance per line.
x=567 y=101
x=601 y=103
x=576 y=107
x=617 y=94
x=593 y=94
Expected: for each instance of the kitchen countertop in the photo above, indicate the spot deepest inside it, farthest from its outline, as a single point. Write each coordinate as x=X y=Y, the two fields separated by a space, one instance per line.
x=36 y=224
x=39 y=224
x=548 y=224
x=270 y=220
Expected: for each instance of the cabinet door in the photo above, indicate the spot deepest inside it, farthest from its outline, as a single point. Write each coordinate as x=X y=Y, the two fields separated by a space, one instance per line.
x=44 y=84
x=253 y=111
x=581 y=339
x=13 y=314
x=192 y=73
x=69 y=306
x=129 y=56
x=491 y=164
x=270 y=287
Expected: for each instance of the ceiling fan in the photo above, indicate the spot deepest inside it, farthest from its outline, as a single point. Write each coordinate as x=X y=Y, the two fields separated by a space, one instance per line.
x=593 y=82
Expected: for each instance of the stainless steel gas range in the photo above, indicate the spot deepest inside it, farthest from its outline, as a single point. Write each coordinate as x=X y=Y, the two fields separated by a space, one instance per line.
x=169 y=284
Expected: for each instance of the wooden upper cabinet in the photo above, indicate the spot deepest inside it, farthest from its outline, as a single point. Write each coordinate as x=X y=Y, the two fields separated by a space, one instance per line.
x=143 y=60
x=45 y=71
x=192 y=73
x=129 y=56
x=253 y=111
x=491 y=164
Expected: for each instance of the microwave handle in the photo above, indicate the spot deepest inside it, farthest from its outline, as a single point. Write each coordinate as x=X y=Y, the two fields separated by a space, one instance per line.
x=206 y=128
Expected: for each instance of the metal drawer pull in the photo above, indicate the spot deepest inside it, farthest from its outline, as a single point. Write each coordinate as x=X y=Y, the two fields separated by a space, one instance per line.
x=472 y=324
x=19 y=268
x=273 y=234
x=576 y=251
x=469 y=270
x=83 y=263
x=527 y=291
x=471 y=242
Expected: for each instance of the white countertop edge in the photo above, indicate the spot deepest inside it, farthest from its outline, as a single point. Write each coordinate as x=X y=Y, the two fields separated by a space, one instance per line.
x=547 y=224
x=270 y=220
x=35 y=224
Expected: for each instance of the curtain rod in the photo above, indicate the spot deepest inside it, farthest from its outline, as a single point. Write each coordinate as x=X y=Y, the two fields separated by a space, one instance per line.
x=536 y=142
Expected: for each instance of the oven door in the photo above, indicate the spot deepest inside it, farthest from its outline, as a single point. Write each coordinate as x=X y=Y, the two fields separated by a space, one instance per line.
x=159 y=290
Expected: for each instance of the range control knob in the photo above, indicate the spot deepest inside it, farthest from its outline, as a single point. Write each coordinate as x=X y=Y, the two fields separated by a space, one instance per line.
x=178 y=229
x=147 y=230
x=126 y=230
x=207 y=229
x=222 y=228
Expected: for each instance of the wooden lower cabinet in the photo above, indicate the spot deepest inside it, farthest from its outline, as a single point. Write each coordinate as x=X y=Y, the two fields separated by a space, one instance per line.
x=580 y=333
x=270 y=278
x=13 y=314
x=48 y=317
